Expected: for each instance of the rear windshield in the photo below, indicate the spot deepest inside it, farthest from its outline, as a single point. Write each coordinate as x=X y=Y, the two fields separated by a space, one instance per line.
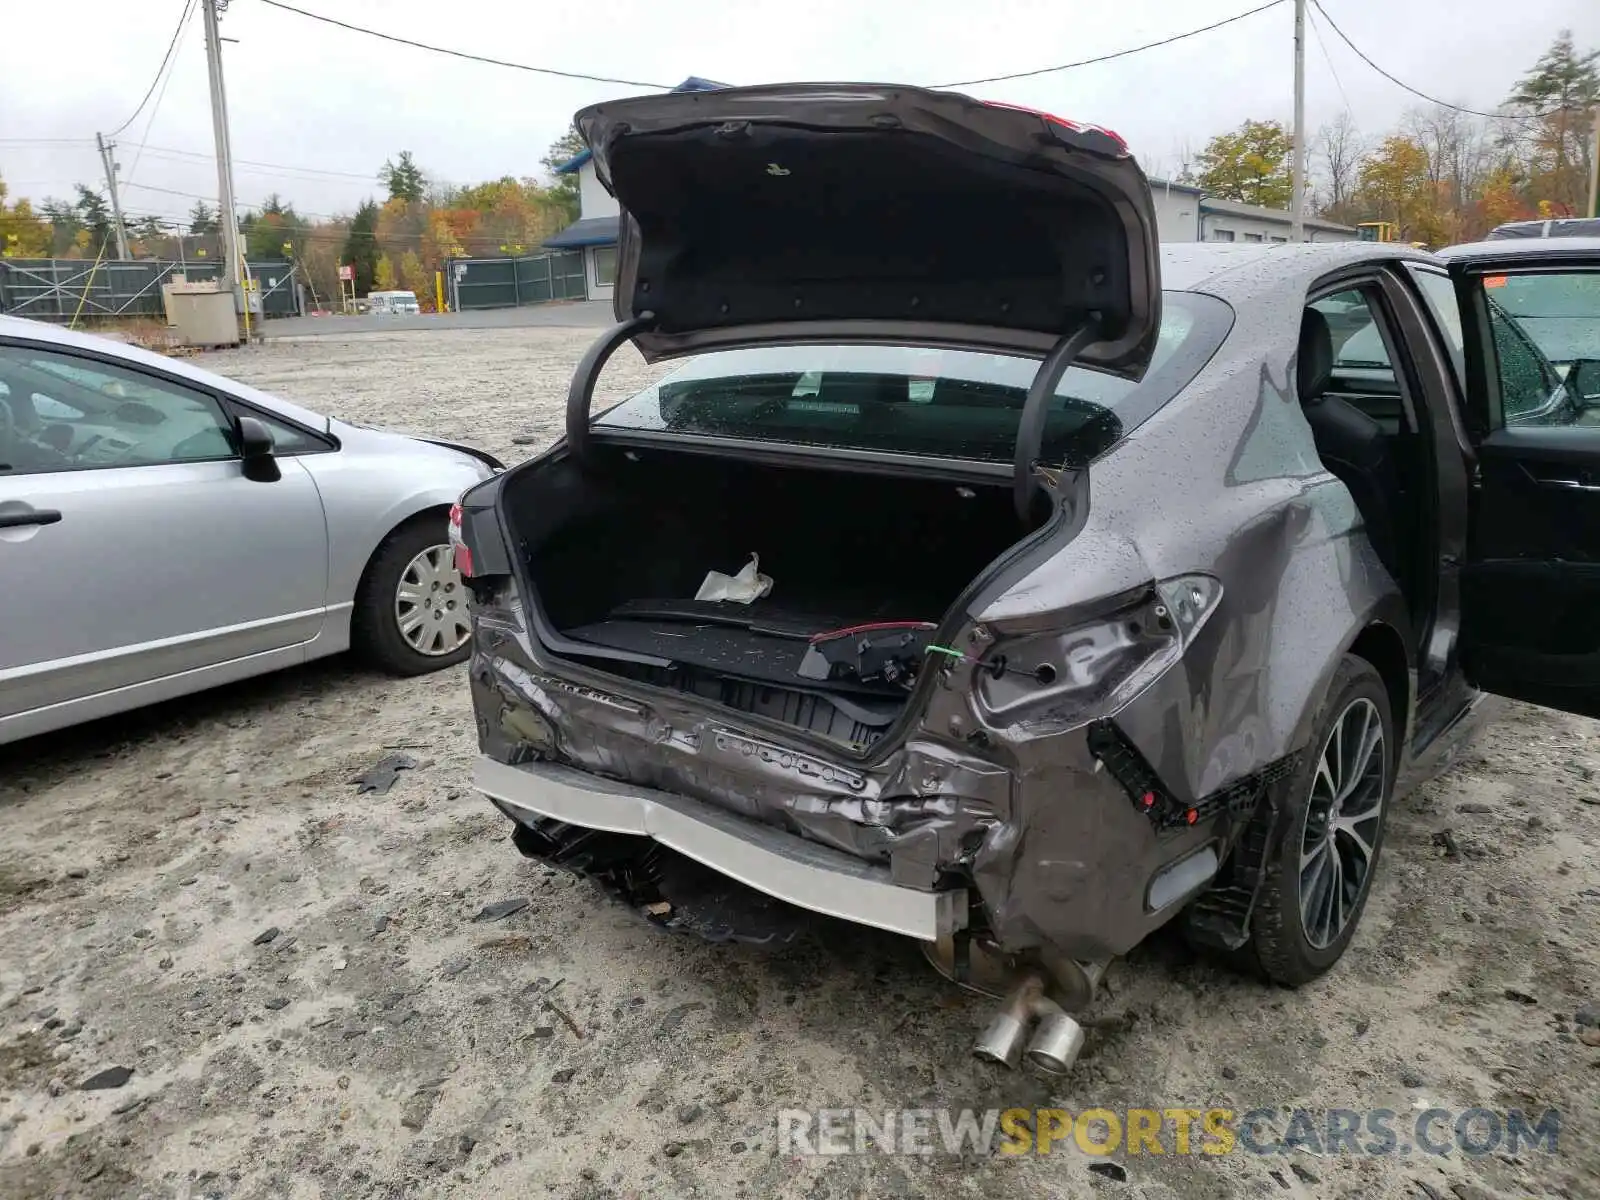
x=914 y=400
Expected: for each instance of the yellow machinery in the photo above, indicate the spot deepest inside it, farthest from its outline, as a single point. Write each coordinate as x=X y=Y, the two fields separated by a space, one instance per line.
x=1379 y=231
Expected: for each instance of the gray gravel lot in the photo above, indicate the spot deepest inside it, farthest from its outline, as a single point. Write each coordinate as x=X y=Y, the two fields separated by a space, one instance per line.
x=294 y=974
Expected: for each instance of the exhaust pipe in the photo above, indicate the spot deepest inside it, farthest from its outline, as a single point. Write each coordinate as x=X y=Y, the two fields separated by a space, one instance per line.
x=1002 y=1040
x=1056 y=1042
x=1057 y=1038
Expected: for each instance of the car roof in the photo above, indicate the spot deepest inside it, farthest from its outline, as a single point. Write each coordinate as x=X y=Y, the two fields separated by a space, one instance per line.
x=46 y=334
x=1233 y=269
x=1503 y=249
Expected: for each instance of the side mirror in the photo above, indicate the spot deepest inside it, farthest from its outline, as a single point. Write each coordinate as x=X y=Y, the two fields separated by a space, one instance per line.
x=1584 y=380
x=255 y=449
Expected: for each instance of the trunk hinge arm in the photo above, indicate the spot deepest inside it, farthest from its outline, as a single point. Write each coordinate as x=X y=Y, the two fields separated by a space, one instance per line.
x=581 y=390
x=1035 y=411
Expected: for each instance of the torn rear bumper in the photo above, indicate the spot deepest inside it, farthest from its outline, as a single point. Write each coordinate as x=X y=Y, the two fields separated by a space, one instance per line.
x=762 y=857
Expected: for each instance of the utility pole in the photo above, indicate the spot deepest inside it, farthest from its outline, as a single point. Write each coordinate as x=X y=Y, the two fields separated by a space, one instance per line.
x=110 y=165
x=1297 y=173
x=1594 y=169
x=226 y=219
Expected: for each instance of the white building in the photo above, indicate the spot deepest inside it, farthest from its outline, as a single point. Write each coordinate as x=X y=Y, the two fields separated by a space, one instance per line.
x=595 y=230
x=1184 y=213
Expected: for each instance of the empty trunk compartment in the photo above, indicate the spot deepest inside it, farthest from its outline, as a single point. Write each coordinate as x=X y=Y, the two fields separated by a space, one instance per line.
x=617 y=550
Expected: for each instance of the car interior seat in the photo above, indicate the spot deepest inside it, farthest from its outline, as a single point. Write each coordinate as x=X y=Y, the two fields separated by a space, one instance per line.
x=1351 y=444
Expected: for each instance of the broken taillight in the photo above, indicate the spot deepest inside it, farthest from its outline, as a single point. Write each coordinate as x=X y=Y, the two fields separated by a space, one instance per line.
x=1074 y=126
x=458 y=545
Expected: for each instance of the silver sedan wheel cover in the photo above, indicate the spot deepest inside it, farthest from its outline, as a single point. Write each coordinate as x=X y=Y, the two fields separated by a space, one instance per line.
x=430 y=605
x=1343 y=814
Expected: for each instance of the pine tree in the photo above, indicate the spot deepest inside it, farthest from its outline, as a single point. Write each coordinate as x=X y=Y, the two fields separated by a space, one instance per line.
x=1561 y=95
x=404 y=179
x=361 y=246
x=203 y=218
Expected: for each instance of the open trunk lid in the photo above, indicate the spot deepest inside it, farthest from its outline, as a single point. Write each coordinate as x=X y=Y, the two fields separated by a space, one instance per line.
x=859 y=212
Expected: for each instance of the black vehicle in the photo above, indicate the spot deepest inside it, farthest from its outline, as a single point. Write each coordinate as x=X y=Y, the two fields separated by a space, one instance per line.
x=1555 y=227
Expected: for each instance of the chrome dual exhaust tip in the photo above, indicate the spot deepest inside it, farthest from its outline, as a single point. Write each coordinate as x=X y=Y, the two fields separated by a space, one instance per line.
x=1057 y=1038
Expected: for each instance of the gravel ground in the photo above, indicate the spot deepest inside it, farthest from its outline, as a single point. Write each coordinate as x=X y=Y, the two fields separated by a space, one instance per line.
x=306 y=999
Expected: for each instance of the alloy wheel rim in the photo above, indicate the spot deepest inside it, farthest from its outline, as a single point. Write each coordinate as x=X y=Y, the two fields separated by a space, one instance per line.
x=1343 y=815
x=430 y=604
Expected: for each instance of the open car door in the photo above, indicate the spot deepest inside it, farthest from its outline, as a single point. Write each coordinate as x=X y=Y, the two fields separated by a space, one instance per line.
x=1531 y=583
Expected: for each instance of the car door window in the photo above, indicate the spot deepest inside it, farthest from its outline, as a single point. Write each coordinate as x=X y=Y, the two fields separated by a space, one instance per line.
x=1546 y=340
x=1440 y=296
x=63 y=413
x=1363 y=373
x=287 y=439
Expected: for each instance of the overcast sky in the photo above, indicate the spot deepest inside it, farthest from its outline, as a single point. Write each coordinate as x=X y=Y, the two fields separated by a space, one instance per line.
x=325 y=106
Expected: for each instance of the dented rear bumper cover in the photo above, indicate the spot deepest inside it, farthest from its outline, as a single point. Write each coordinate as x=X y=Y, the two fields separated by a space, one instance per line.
x=759 y=856
x=1050 y=850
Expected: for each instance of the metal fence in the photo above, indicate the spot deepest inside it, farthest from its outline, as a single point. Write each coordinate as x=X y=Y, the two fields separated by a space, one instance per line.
x=57 y=289
x=511 y=282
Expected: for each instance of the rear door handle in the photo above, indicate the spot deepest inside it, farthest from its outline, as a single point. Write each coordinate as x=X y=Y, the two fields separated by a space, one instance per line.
x=1570 y=478
x=33 y=516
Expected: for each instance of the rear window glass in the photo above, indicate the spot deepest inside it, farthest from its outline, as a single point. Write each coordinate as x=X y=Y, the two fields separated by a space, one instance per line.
x=923 y=401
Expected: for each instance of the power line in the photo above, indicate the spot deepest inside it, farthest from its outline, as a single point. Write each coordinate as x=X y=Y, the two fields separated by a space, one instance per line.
x=1328 y=58
x=173 y=152
x=1421 y=95
x=493 y=62
x=183 y=27
x=172 y=46
x=1086 y=62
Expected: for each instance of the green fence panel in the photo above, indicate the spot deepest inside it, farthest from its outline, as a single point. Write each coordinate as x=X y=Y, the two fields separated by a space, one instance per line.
x=59 y=289
x=511 y=282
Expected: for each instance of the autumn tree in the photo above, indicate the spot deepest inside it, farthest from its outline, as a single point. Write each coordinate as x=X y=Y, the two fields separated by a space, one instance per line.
x=403 y=178
x=1500 y=200
x=361 y=246
x=383 y=278
x=1558 y=102
x=318 y=261
x=1250 y=164
x=1394 y=186
x=417 y=279
x=23 y=232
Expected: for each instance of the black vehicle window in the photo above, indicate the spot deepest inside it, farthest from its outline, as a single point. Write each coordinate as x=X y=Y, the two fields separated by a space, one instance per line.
x=1546 y=340
x=920 y=400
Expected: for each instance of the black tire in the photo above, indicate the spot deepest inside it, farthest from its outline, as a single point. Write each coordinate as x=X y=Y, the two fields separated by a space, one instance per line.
x=375 y=633
x=1286 y=952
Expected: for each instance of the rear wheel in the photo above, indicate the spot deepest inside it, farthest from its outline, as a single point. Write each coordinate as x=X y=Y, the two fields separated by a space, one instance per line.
x=411 y=609
x=1319 y=877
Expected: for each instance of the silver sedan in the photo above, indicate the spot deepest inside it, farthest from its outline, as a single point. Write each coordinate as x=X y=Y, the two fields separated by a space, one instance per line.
x=164 y=529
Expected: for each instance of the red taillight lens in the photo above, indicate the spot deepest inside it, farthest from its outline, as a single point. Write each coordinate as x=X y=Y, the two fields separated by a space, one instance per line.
x=462 y=553
x=1075 y=126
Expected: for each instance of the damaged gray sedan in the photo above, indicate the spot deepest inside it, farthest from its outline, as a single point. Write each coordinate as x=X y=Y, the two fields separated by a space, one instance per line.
x=993 y=578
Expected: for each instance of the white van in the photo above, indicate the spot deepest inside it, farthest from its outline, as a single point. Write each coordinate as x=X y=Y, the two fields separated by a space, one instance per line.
x=392 y=302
